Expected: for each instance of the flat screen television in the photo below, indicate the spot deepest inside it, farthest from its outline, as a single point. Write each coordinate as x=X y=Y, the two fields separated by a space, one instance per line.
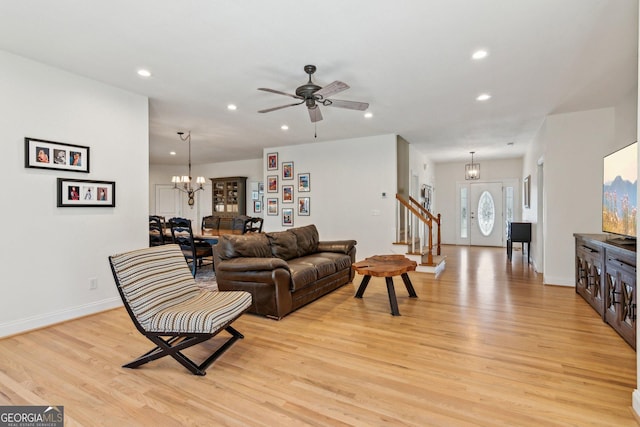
x=620 y=194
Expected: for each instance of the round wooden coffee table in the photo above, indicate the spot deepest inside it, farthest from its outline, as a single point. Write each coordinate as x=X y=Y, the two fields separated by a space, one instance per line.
x=386 y=266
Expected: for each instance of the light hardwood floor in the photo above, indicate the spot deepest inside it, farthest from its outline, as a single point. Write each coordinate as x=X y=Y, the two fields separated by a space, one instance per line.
x=484 y=344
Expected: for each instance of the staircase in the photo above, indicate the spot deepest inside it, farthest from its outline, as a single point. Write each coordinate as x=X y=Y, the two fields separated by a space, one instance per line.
x=414 y=235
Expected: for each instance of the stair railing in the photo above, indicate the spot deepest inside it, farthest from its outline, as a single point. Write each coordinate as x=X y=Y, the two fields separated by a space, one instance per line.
x=414 y=225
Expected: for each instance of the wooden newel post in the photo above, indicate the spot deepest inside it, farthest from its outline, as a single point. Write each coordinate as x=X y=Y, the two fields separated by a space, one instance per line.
x=438 y=234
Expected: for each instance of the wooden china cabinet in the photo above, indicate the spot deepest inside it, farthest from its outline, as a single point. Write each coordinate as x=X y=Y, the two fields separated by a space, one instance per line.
x=606 y=279
x=229 y=198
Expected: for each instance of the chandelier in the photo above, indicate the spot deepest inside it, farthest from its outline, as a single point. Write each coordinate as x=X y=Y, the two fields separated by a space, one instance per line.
x=472 y=171
x=186 y=179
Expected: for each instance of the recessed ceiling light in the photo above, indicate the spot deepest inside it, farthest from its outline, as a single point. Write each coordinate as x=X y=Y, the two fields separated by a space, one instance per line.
x=483 y=97
x=480 y=54
x=173 y=153
x=232 y=107
x=284 y=127
x=144 y=73
x=368 y=115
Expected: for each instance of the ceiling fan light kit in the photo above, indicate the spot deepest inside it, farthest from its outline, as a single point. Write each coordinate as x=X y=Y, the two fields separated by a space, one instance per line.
x=313 y=95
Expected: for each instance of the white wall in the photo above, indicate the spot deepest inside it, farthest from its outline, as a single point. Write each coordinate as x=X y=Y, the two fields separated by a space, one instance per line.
x=447 y=175
x=573 y=146
x=49 y=253
x=348 y=178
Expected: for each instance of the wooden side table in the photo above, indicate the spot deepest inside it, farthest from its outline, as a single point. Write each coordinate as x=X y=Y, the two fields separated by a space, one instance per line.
x=386 y=266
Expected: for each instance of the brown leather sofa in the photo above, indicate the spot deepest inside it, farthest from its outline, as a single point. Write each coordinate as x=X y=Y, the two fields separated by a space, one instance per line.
x=282 y=270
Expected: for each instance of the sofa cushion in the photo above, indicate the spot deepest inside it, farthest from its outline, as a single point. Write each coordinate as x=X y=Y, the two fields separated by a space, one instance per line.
x=246 y=245
x=307 y=239
x=341 y=261
x=323 y=265
x=283 y=244
x=302 y=274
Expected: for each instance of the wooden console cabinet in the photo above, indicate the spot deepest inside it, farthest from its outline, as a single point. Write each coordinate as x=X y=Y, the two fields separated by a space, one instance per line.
x=606 y=279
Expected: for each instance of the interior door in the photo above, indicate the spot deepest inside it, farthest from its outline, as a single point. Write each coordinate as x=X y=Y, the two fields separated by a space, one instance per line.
x=486 y=214
x=168 y=201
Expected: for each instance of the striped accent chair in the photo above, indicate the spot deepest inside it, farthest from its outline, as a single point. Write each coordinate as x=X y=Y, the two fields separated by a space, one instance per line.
x=167 y=307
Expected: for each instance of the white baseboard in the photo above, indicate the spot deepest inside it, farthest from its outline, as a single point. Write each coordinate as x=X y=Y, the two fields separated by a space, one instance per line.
x=559 y=281
x=635 y=403
x=35 y=322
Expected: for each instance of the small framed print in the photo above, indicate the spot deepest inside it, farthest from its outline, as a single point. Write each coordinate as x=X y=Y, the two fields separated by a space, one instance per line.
x=261 y=187
x=304 y=208
x=287 y=194
x=527 y=191
x=287 y=170
x=86 y=193
x=304 y=182
x=272 y=184
x=39 y=153
x=287 y=217
x=257 y=206
x=272 y=161
x=254 y=195
x=272 y=207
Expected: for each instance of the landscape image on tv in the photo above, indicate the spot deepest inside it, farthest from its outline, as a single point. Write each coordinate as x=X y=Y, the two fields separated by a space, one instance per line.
x=619 y=192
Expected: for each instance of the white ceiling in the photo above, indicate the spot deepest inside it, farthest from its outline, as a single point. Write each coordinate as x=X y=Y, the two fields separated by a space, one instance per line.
x=409 y=59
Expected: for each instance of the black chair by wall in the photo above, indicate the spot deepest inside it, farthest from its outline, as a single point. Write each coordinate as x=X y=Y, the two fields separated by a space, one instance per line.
x=194 y=250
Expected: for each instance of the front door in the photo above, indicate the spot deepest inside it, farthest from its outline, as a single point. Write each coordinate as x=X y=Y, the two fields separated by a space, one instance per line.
x=485 y=214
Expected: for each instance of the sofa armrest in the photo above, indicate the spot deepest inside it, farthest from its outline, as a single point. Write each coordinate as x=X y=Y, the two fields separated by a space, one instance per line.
x=251 y=264
x=341 y=246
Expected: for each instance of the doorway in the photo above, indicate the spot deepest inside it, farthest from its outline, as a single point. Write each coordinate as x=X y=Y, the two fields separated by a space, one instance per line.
x=481 y=214
x=485 y=210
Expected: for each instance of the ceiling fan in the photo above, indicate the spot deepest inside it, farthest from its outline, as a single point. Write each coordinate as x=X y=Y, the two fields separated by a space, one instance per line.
x=313 y=95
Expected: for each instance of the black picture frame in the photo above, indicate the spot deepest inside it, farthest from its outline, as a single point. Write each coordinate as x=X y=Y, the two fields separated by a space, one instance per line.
x=84 y=193
x=44 y=154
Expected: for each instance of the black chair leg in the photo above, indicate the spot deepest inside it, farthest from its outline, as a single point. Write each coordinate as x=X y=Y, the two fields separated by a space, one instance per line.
x=173 y=346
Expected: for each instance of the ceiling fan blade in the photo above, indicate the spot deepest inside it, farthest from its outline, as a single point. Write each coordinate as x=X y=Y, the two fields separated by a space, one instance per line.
x=279 y=92
x=332 y=89
x=351 y=105
x=278 y=108
x=315 y=114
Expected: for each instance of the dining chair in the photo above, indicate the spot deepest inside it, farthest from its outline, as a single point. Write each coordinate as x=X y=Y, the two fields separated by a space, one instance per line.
x=211 y=222
x=170 y=309
x=156 y=231
x=253 y=225
x=194 y=250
